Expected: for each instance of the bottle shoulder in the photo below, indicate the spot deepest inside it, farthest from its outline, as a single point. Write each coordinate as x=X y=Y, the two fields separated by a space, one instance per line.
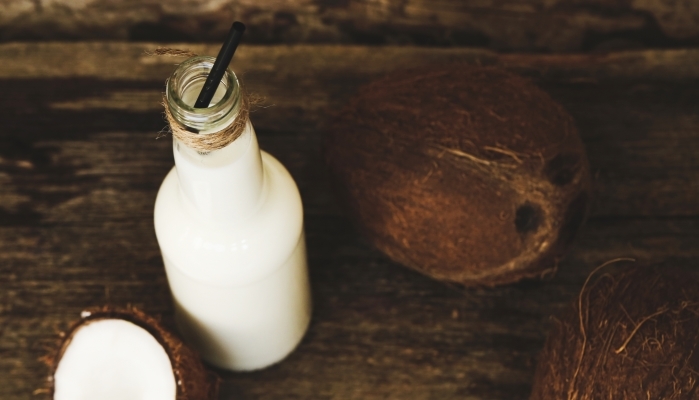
x=239 y=250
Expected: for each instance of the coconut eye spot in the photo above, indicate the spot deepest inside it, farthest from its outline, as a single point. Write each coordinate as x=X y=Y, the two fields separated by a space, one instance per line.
x=114 y=359
x=561 y=169
x=527 y=219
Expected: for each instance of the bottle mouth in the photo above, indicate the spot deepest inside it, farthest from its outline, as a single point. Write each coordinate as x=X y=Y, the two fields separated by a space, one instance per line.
x=182 y=90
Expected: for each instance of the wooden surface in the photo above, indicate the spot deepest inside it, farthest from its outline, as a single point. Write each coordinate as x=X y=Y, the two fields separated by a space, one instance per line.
x=509 y=25
x=80 y=167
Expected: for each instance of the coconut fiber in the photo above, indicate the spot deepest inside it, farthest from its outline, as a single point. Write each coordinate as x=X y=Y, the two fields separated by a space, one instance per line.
x=630 y=335
x=467 y=174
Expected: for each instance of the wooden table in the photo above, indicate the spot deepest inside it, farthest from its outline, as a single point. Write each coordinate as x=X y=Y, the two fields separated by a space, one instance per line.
x=80 y=166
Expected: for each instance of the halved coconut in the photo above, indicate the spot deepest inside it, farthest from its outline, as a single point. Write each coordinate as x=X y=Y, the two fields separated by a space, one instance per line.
x=125 y=354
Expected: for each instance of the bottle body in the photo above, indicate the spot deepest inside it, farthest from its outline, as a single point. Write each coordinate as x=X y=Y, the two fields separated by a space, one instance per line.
x=230 y=229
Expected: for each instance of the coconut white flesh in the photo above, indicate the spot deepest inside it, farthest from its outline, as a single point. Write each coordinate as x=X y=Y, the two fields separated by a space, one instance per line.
x=113 y=359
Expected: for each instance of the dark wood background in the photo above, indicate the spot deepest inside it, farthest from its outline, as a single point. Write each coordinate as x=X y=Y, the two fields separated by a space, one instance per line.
x=80 y=168
x=504 y=25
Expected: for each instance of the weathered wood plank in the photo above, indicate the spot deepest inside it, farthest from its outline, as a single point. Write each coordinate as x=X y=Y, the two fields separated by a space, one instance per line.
x=80 y=167
x=129 y=61
x=636 y=110
x=378 y=330
x=519 y=25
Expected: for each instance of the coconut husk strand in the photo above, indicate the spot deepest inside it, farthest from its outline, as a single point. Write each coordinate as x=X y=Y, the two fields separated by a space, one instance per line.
x=190 y=380
x=629 y=335
x=467 y=174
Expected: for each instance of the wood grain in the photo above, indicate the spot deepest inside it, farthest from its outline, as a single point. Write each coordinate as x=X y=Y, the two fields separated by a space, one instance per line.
x=80 y=167
x=506 y=25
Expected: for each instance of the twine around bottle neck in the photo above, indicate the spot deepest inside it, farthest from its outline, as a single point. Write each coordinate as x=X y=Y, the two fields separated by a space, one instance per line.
x=210 y=141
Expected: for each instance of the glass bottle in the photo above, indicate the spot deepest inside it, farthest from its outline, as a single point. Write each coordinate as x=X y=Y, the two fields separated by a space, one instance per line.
x=229 y=223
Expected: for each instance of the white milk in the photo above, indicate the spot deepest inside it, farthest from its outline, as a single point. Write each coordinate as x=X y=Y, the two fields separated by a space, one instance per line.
x=230 y=228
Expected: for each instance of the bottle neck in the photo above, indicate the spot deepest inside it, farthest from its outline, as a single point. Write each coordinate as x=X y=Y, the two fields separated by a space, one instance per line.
x=221 y=186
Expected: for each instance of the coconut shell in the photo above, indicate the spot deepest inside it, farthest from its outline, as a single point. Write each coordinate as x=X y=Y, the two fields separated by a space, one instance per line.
x=467 y=174
x=630 y=335
x=194 y=382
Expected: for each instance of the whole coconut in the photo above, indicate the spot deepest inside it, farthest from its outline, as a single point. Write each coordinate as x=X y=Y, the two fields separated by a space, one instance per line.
x=630 y=335
x=467 y=174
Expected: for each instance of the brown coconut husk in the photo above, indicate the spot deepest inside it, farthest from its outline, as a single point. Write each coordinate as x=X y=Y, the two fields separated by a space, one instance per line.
x=194 y=382
x=467 y=174
x=630 y=335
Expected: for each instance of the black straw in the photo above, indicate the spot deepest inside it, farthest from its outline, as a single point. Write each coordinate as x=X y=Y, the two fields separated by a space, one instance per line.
x=225 y=55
